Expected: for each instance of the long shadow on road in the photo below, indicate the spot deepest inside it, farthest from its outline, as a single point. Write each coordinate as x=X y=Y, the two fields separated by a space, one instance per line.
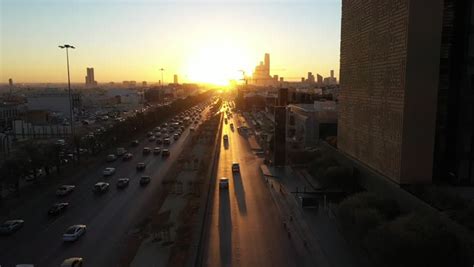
x=225 y=228
x=240 y=193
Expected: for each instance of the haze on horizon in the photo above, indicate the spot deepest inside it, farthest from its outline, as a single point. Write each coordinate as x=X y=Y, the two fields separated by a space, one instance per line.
x=201 y=41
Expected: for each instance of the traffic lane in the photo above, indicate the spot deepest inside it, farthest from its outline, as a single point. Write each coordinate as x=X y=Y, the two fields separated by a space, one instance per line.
x=62 y=223
x=95 y=212
x=264 y=242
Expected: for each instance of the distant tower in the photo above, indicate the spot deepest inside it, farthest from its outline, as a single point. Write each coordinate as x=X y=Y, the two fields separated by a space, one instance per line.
x=332 y=73
x=175 y=79
x=320 y=79
x=267 y=63
x=10 y=83
x=90 y=79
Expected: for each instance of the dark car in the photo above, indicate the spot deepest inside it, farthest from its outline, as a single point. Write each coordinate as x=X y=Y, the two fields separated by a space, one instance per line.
x=127 y=156
x=141 y=166
x=146 y=150
x=165 y=153
x=135 y=143
x=11 y=226
x=144 y=180
x=58 y=208
x=122 y=183
x=159 y=141
x=101 y=187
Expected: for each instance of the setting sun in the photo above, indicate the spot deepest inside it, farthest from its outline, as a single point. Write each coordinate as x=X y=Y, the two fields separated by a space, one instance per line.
x=218 y=64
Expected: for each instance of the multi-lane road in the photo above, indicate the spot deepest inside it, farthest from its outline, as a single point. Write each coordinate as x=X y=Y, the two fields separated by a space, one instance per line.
x=108 y=216
x=245 y=228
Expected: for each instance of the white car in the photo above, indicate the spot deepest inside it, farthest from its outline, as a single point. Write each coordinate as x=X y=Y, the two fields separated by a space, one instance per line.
x=108 y=171
x=72 y=262
x=74 y=232
x=235 y=167
x=224 y=182
x=65 y=190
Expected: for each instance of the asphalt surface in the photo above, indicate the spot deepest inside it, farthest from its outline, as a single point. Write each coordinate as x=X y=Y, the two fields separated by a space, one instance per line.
x=108 y=216
x=245 y=226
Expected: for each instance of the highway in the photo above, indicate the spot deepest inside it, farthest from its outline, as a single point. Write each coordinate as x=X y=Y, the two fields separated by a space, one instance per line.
x=245 y=228
x=109 y=217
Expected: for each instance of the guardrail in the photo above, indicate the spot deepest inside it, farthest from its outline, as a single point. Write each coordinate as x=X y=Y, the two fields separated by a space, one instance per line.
x=197 y=258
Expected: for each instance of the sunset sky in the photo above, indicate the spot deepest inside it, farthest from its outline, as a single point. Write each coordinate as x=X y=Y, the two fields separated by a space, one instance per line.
x=201 y=41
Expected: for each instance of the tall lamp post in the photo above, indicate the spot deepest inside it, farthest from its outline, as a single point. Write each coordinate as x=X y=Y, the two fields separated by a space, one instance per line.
x=71 y=121
x=162 y=83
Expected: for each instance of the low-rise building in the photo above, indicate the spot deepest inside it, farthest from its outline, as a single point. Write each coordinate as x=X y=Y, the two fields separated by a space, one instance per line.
x=307 y=123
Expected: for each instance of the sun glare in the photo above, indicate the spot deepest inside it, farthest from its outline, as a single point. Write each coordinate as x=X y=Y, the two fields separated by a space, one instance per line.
x=217 y=64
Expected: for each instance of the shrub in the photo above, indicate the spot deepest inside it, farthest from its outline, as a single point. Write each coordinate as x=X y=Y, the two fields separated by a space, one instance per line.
x=362 y=212
x=415 y=240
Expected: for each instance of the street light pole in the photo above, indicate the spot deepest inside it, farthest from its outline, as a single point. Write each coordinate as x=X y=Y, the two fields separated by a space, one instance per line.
x=71 y=121
x=162 y=81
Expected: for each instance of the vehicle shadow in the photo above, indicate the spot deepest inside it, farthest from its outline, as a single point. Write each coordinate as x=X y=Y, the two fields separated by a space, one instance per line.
x=240 y=193
x=225 y=228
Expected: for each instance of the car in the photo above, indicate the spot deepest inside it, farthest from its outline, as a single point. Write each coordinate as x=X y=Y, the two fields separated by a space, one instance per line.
x=58 y=208
x=225 y=121
x=122 y=183
x=165 y=153
x=149 y=134
x=235 y=167
x=152 y=138
x=166 y=141
x=11 y=226
x=176 y=136
x=146 y=150
x=101 y=187
x=121 y=151
x=192 y=129
x=144 y=180
x=108 y=171
x=224 y=182
x=159 y=141
x=231 y=126
x=64 y=190
x=74 y=232
x=157 y=151
x=135 y=143
x=141 y=166
x=127 y=156
x=72 y=262
x=111 y=157
x=226 y=138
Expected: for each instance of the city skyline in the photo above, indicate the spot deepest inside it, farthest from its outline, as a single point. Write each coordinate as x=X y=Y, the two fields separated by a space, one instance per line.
x=120 y=43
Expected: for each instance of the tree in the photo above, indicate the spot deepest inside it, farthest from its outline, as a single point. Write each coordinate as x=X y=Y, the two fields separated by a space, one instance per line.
x=416 y=240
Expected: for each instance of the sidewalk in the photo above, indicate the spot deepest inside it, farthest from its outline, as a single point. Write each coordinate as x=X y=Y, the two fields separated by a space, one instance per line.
x=315 y=226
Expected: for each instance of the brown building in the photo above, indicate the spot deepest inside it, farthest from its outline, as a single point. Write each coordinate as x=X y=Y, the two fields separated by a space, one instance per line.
x=390 y=58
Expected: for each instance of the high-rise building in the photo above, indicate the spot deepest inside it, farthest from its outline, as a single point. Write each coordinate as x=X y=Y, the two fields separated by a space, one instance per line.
x=389 y=84
x=261 y=74
x=310 y=78
x=332 y=73
x=320 y=79
x=10 y=82
x=454 y=141
x=90 y=79
x=175 y=79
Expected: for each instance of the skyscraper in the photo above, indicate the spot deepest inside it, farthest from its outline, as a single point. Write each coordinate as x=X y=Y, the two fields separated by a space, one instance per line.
x=390 y=57
x=261 y=75
x=332 y=73
x=319 y=79
x=454 y=143
x=90 y=79
x=175 y=79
